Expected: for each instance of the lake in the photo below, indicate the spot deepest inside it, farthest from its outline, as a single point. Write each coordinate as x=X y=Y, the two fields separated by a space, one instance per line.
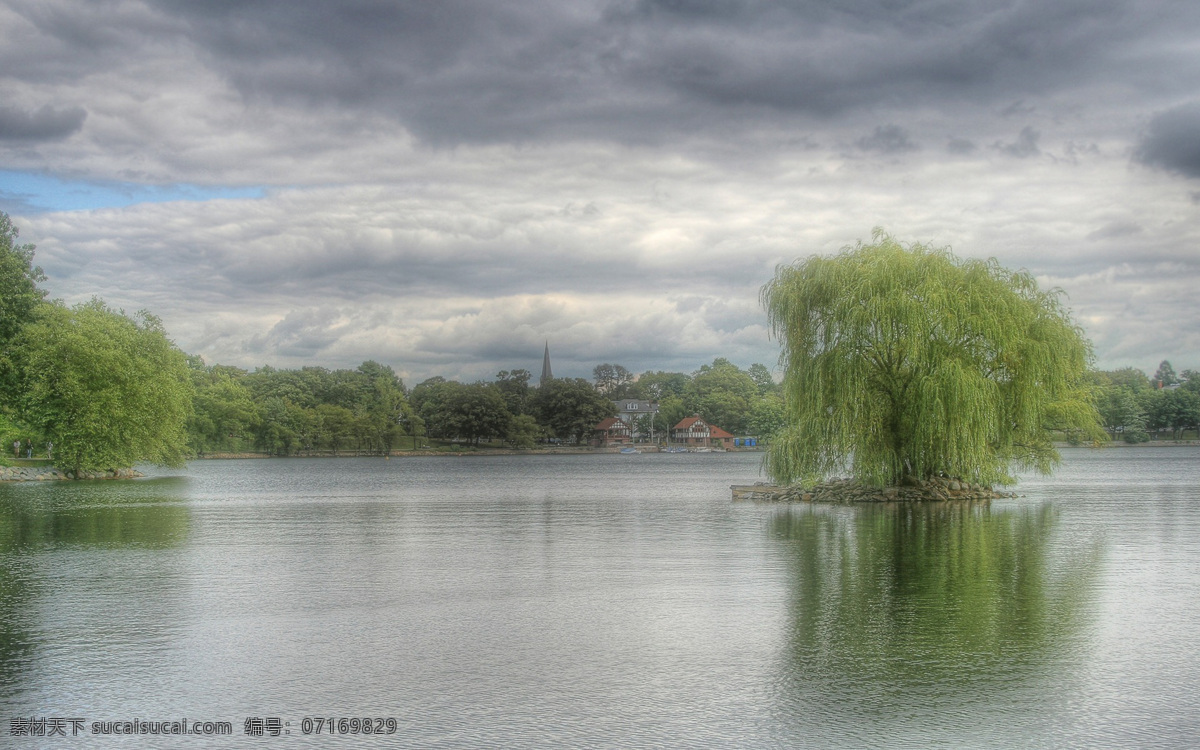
x=600 y=601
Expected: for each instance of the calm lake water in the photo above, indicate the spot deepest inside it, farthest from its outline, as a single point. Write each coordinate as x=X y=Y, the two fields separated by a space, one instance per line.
x=604 y=601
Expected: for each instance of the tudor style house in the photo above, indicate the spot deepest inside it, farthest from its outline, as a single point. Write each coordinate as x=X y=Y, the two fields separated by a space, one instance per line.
x=611 y=431
x=695 y=432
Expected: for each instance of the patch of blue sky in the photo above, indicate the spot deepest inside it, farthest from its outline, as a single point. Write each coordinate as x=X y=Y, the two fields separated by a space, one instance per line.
x=30 y=192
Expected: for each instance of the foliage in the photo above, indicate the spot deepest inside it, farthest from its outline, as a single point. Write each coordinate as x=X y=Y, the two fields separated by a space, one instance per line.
x=381 y=405
x=1190 y=381
x=1121 y=412
x=660 y=385
x=1129 y=378
x=224 y=415
x=19 y=294
x=570 y=408
x=908 y=361
x=1173 y=409
x=761 y=376
x=723 y=395
x=523 y=432
x=108 y=390
x=612 y=380
x=283 y=412
x=453 y=410
x=514 y=387
x=767 y=417
x=671 y=411
x=19 y=298
x=1165 y=375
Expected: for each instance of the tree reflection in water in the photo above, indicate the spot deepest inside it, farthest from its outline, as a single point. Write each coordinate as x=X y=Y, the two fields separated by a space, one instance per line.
x=904 y=611
x=69 y=518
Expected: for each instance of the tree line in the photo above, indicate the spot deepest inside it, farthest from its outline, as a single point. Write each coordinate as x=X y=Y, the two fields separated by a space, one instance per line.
x=369 y=410
x=93 y=387
x=1134 y=407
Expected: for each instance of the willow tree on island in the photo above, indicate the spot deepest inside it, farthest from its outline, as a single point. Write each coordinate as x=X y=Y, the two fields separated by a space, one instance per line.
x=907 y=361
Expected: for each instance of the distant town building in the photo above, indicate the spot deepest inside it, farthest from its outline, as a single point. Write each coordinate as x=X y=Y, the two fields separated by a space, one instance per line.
x=631 y=409
x=547 y=375
x=694 y=431
x=612 y=431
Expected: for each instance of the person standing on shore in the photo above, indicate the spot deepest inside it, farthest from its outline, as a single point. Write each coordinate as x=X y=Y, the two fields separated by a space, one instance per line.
x=49 y=449
x=29 y=448
x=17 y=448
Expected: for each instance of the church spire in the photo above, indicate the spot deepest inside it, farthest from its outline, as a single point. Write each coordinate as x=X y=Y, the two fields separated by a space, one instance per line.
x=547 y=375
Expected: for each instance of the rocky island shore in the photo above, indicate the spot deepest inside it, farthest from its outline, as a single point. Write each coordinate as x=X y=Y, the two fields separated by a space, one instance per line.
x=50 y=473
x=846 y=491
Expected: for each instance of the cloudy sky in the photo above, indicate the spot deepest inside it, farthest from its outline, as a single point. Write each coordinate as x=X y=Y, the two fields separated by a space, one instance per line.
x=443 y=186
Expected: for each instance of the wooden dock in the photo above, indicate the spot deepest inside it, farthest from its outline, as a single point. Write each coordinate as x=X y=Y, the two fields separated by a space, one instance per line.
x=755 y=492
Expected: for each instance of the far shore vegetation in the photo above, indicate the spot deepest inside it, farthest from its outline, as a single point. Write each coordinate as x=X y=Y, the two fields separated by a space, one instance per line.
x=108 y=390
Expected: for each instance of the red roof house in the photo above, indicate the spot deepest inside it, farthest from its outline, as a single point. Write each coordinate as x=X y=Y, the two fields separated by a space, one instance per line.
x=611 y=431
x=695 y=431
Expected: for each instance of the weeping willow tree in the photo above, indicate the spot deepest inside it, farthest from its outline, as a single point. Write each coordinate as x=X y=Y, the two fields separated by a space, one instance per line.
x=906 y=361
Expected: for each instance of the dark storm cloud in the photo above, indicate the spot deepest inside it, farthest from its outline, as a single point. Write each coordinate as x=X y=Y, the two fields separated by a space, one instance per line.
x=1173 y=141
x=43 y=124
x=468 y=70
x=960 y=146
x=303 y=333
x=1116 y=230
x=887 y=139
x=1025 y=146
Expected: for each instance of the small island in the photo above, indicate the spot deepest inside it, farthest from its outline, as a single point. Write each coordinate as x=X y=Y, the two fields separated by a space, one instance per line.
x=920 y=376
x=846 y=491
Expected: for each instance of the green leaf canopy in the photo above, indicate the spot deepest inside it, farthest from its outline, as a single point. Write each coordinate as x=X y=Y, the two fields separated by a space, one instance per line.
x=109 y=390
x=904 y=360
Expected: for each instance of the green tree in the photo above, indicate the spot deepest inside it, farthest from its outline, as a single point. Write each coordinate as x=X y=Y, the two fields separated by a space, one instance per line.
x=659 y=385
x=570 y=408
x=336 y=427
x=514 y=387
x=671 y=411
x=1190 y=381
x=277 y=432
x=382 y=405
x=761 y=376
x=908 y=361
x=19 y=298
x=468 y=412
x=1121 y=412
x=523 y=432
x=767 y=417
x=1165 y=374
x=19 y=293
x=224 y=414
x=480 y=413
x=723 y=395
x=1173 y=409
x=1129 y=378
x=612 y=380
x=109 y=390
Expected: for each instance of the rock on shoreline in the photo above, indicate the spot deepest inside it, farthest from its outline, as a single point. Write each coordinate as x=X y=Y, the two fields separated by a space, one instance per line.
x=845 y=491
x=50 y=473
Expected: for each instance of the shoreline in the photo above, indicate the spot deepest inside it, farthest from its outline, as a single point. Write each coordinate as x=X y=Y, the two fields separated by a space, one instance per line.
x=851 y=492
x=574 y=451
x=614 y=451
x=46 y=473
